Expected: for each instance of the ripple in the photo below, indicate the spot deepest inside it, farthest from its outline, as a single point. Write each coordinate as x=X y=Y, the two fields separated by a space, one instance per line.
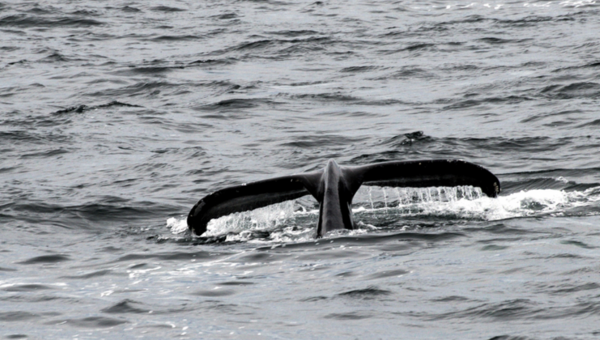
x=94 y=322
x=366 y=294
x=125 y=307
x=26 y=288
x=18 y=316
x=215 y=292
x=27 y=21
x=359 y=315
x=46 y=259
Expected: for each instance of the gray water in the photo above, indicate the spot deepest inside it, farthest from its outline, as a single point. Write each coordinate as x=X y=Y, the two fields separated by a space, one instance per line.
x=117 y=117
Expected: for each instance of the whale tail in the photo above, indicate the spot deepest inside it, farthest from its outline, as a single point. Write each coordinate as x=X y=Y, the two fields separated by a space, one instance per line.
x=347 y=181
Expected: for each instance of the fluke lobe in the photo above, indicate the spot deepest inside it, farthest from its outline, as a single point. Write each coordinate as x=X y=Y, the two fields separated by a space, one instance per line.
x=335 y=186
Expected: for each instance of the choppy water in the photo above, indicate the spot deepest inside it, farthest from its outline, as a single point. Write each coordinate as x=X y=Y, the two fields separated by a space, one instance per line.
x=116 y=117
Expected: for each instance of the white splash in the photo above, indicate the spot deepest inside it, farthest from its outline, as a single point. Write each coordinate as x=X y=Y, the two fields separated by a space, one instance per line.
x=291 y=222
x=266 y=218
x=471 y=203
x=177 y=226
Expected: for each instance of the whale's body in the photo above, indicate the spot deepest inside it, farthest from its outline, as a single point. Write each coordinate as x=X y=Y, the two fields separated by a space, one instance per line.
x=335 y=186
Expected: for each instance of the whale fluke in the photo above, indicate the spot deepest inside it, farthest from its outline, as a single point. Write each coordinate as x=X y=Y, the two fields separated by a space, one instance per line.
x=334 y=188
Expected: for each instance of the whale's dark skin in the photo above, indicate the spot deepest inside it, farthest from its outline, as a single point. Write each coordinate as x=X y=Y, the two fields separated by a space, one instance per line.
x=335 y=186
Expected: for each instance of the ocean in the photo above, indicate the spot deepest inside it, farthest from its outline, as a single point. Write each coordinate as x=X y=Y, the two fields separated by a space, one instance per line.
x=116 y=117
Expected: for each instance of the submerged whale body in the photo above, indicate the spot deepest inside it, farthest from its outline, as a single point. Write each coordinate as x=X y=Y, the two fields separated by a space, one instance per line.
x=335 y=186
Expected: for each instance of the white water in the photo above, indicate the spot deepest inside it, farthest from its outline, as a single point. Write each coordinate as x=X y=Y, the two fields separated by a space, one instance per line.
x=291 y=222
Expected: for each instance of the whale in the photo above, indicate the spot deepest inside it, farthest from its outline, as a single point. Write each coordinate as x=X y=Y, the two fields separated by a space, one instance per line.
x=335 y=186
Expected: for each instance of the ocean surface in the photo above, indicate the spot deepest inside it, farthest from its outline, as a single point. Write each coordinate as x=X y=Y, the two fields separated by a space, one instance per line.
x=116 y=117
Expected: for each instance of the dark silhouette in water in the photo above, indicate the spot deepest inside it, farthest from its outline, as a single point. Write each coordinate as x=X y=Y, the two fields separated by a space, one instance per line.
x=335 y=186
